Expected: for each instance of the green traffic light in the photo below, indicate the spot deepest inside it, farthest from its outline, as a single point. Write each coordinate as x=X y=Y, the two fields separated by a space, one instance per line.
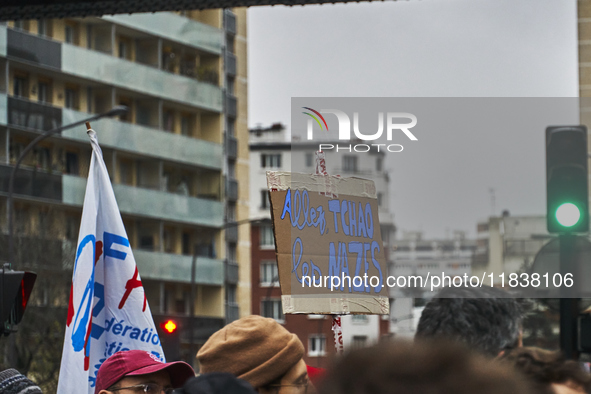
x=568 y=214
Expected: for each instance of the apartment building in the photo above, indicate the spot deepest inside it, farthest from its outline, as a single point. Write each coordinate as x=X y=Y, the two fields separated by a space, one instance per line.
x=178 y=160
x=417 y=256
x=272 y=150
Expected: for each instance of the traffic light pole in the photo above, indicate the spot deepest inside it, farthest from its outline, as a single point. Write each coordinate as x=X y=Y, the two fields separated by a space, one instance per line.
x=569 y=305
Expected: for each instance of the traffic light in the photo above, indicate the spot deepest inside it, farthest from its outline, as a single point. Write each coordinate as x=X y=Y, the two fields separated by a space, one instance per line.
x=567 y=201
x=169 y=333
x=15 y=290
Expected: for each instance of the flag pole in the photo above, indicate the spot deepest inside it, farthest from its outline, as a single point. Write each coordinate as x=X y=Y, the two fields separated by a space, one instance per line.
x=115 y=111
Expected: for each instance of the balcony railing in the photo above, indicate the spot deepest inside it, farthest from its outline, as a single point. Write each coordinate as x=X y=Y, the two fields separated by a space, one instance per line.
x=232 y=313
x=177 y=268
x=152 y=203
x=231 y=272
x=231 y=147
x=27 y=114
x=232 y=232
x=229 y=22
x=175 y=28
x=33 y=49
x=32 y=183
x=144 y=79
x=231 y=106
x=230 y=63
x=148 y=141
x=232 y=189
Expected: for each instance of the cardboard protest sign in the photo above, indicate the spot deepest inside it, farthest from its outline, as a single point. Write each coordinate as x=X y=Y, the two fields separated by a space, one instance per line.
x=328 y=244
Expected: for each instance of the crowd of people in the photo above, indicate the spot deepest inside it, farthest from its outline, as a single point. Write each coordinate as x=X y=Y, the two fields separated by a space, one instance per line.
x=467 y=341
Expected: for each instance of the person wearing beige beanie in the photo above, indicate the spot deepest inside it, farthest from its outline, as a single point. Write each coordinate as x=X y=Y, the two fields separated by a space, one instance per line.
x=260 y=351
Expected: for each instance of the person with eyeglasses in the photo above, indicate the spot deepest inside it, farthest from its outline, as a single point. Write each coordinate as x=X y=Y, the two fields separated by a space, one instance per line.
x=260 y=351
x=140 y=372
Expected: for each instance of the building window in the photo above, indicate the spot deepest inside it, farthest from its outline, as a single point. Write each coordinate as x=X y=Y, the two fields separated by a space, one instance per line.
x=42 y=158
x=186 y=125
x=272 y=309
x=380 y=199
x=19 y=88
x=230 y=85
x=72 y=163
x=316 y=346
x=309 y=159
x=230 y=44
x=359 y=319
x=359 y=341
x=42 y=27
x=267 y=240
x=269 y=274
x=231 y=252
x=350 y=163
x=231 y=294
x=231 y=169
x=71 y=98
x=70 y=34
x=168 y=120
x=122 y=50
x=269 y=160
x=43 y=93
x=231 y=124
x=265 y=204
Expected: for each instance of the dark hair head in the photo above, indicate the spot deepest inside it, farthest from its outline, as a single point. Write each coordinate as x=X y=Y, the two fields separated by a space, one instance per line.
x=425 y=367
x=482 y=318
x=545 y=367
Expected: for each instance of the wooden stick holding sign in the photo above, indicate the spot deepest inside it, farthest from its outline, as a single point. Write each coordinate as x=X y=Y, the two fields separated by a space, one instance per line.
x=328 y=244
x=336 y=327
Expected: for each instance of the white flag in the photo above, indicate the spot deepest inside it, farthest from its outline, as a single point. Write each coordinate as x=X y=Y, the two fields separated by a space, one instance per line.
x=108 y=310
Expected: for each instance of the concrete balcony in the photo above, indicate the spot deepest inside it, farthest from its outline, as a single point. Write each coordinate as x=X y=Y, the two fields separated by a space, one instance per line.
x=26 y=114
x=177 y=268
x=152 y=203
x=147 y=141
x=107 y=69
x=175 y=28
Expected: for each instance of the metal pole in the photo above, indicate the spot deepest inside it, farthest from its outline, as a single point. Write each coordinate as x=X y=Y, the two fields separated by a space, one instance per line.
x=569 y=306
x=115 y=111
x=191 y=358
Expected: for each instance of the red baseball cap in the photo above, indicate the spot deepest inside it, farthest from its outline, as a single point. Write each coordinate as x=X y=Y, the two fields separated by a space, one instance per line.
x=139 y=362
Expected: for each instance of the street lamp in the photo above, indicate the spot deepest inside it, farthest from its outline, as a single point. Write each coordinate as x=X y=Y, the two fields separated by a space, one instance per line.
x=115 y=111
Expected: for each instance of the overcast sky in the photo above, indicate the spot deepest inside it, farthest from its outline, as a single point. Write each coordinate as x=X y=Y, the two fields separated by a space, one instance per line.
x=427 y=48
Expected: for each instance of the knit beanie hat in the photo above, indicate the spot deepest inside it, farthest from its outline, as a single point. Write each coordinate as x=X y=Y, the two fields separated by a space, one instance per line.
x=254 y=348
x=12 y=382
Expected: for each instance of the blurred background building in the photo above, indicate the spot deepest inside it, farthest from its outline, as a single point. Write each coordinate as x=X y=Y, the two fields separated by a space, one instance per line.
x=414 y=255
x=178 y=160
